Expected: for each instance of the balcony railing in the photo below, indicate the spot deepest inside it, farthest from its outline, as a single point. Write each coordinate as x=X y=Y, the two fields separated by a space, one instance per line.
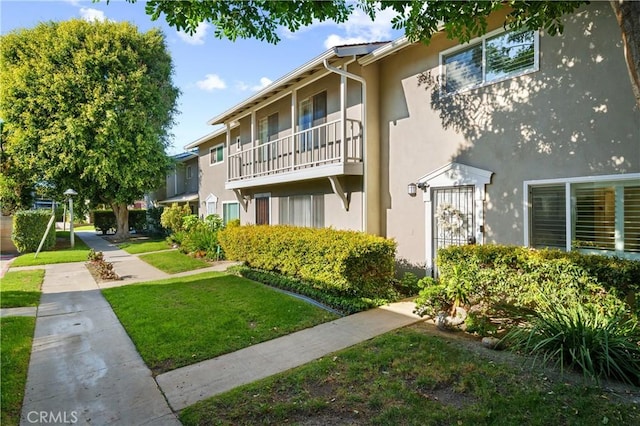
x=314 y=147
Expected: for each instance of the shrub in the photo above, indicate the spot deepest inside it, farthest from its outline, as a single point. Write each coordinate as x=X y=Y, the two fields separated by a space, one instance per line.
x=104 y=220
x=597 y=343
x=345 y=304
x=495 y=276
x=153 y=220
x=138 y=220
x=29 y=226
x=339 y=262
x=173 y=217
x=103 y=268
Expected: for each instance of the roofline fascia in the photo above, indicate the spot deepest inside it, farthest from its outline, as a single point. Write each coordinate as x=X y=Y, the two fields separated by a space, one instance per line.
x=318 y=60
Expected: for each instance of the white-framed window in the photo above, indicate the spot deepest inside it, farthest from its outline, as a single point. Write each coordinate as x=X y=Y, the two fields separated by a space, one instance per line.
x=302 y=210
x=238 y=143
x=189 y=172
x=216 y=154
x=211 y=204
x=599 y=214
x=497 y=56
x=230 y=211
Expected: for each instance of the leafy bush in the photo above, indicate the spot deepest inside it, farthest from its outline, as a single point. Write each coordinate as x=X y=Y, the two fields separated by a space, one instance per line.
x=138 y=220
x=104 y=220
x=172 y=217
x=495 y=276
x=153 y=220
x=598 y=343
x=29 y=226
x=345 y=304
x=339 y=262
x=95 y=256
x=408 y=285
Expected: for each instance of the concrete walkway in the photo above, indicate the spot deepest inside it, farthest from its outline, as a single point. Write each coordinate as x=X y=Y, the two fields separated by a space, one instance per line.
x=84 y=365
x=188 y=385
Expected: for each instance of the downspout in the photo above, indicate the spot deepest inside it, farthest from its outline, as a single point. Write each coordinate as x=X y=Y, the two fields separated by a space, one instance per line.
x=363 y=82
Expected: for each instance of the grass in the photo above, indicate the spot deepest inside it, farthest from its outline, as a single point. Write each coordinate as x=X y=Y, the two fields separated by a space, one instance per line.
x=15 y=350
x=84 y=228
x=144 y=246
x=21 y=288
x=62 y=252
x=412 y=377
x=173 y=262
x=177 y=322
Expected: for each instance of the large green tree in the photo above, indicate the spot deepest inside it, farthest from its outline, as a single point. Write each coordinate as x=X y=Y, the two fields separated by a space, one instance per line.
x=88 y=106
x=419 y=18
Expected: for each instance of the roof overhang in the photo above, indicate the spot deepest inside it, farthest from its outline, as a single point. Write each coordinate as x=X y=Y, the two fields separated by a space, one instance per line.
x=184 y=198
x=206 y=138
x=283 y=83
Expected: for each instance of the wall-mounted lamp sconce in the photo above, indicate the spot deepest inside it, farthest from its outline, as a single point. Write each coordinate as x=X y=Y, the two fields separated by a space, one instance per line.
x=412 y=188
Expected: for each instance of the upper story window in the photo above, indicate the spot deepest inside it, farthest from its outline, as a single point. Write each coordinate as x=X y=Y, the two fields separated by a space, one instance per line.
x=497 y=56
x=268 y=128
x=216 y=154
x=189 y=172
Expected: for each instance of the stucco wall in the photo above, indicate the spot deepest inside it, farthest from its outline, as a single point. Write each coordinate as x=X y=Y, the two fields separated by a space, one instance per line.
x=212 y=177
x=576 y=116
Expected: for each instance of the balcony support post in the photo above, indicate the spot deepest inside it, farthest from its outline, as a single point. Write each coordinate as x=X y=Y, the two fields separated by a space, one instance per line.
x=294 y=114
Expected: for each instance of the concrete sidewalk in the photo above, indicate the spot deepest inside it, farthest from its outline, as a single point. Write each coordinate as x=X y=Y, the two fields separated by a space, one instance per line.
x=84 y=367
x=186 y=386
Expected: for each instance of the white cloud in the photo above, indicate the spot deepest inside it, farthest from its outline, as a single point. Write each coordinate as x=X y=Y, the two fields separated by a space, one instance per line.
x=264 y=82
x=197 y=37
x=359 y=28
x=91 y=15
x=211 y=83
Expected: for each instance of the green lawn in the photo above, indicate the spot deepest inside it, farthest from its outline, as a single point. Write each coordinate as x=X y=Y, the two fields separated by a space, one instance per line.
x=410 y=377
x=15 y=350
x=21 y=288
x=181 y=321
x=144 y=246
x=173 y=261
x=62 y=252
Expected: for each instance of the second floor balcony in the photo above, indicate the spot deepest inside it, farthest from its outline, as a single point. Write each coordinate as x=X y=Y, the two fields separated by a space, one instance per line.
x=330 y=149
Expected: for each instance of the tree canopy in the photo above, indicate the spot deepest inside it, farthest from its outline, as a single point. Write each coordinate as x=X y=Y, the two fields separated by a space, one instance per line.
x=420 y=19
x=87 y=106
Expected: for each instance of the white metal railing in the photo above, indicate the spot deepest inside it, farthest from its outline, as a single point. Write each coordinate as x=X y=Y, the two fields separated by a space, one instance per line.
x=313 y=147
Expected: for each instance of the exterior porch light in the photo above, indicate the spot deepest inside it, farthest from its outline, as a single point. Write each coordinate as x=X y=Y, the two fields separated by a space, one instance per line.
x=412 y=188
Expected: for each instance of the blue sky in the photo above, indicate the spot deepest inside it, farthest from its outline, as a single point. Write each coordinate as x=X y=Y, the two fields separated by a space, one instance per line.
x=212 y=74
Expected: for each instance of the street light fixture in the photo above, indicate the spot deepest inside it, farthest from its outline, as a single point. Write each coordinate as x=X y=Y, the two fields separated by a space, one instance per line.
x=69 y=193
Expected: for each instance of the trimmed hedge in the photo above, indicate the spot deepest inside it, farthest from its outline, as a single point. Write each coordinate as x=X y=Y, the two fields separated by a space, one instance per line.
x=104 y=220
x=516 y=275
x=345 y=304
x=338 y=262
x=28 y=228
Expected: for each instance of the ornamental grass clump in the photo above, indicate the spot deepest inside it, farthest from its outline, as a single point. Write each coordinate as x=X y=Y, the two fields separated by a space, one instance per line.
x=594 y=341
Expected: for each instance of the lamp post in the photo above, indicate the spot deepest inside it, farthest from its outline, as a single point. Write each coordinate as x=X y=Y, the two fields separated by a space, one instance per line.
x=69 y=193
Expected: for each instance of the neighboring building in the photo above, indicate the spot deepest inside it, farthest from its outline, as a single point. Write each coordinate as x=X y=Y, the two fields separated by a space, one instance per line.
x=181 y=185
x=520 y=139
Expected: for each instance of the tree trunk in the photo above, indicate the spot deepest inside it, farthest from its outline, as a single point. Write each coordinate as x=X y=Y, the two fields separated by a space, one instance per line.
x=122 y=220
x=628 y=16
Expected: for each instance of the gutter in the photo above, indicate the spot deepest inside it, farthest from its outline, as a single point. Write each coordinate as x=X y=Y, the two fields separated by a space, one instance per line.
x=363 y=82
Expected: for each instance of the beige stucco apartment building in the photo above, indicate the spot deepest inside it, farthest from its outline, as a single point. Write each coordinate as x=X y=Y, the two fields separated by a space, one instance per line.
x=513 y=138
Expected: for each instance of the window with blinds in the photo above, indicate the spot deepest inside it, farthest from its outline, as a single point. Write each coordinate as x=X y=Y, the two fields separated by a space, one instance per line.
x=302 y=210
x=632 y=219
x=604 y=217
x=595 y=218
x=548 y=223
x=493 y=58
